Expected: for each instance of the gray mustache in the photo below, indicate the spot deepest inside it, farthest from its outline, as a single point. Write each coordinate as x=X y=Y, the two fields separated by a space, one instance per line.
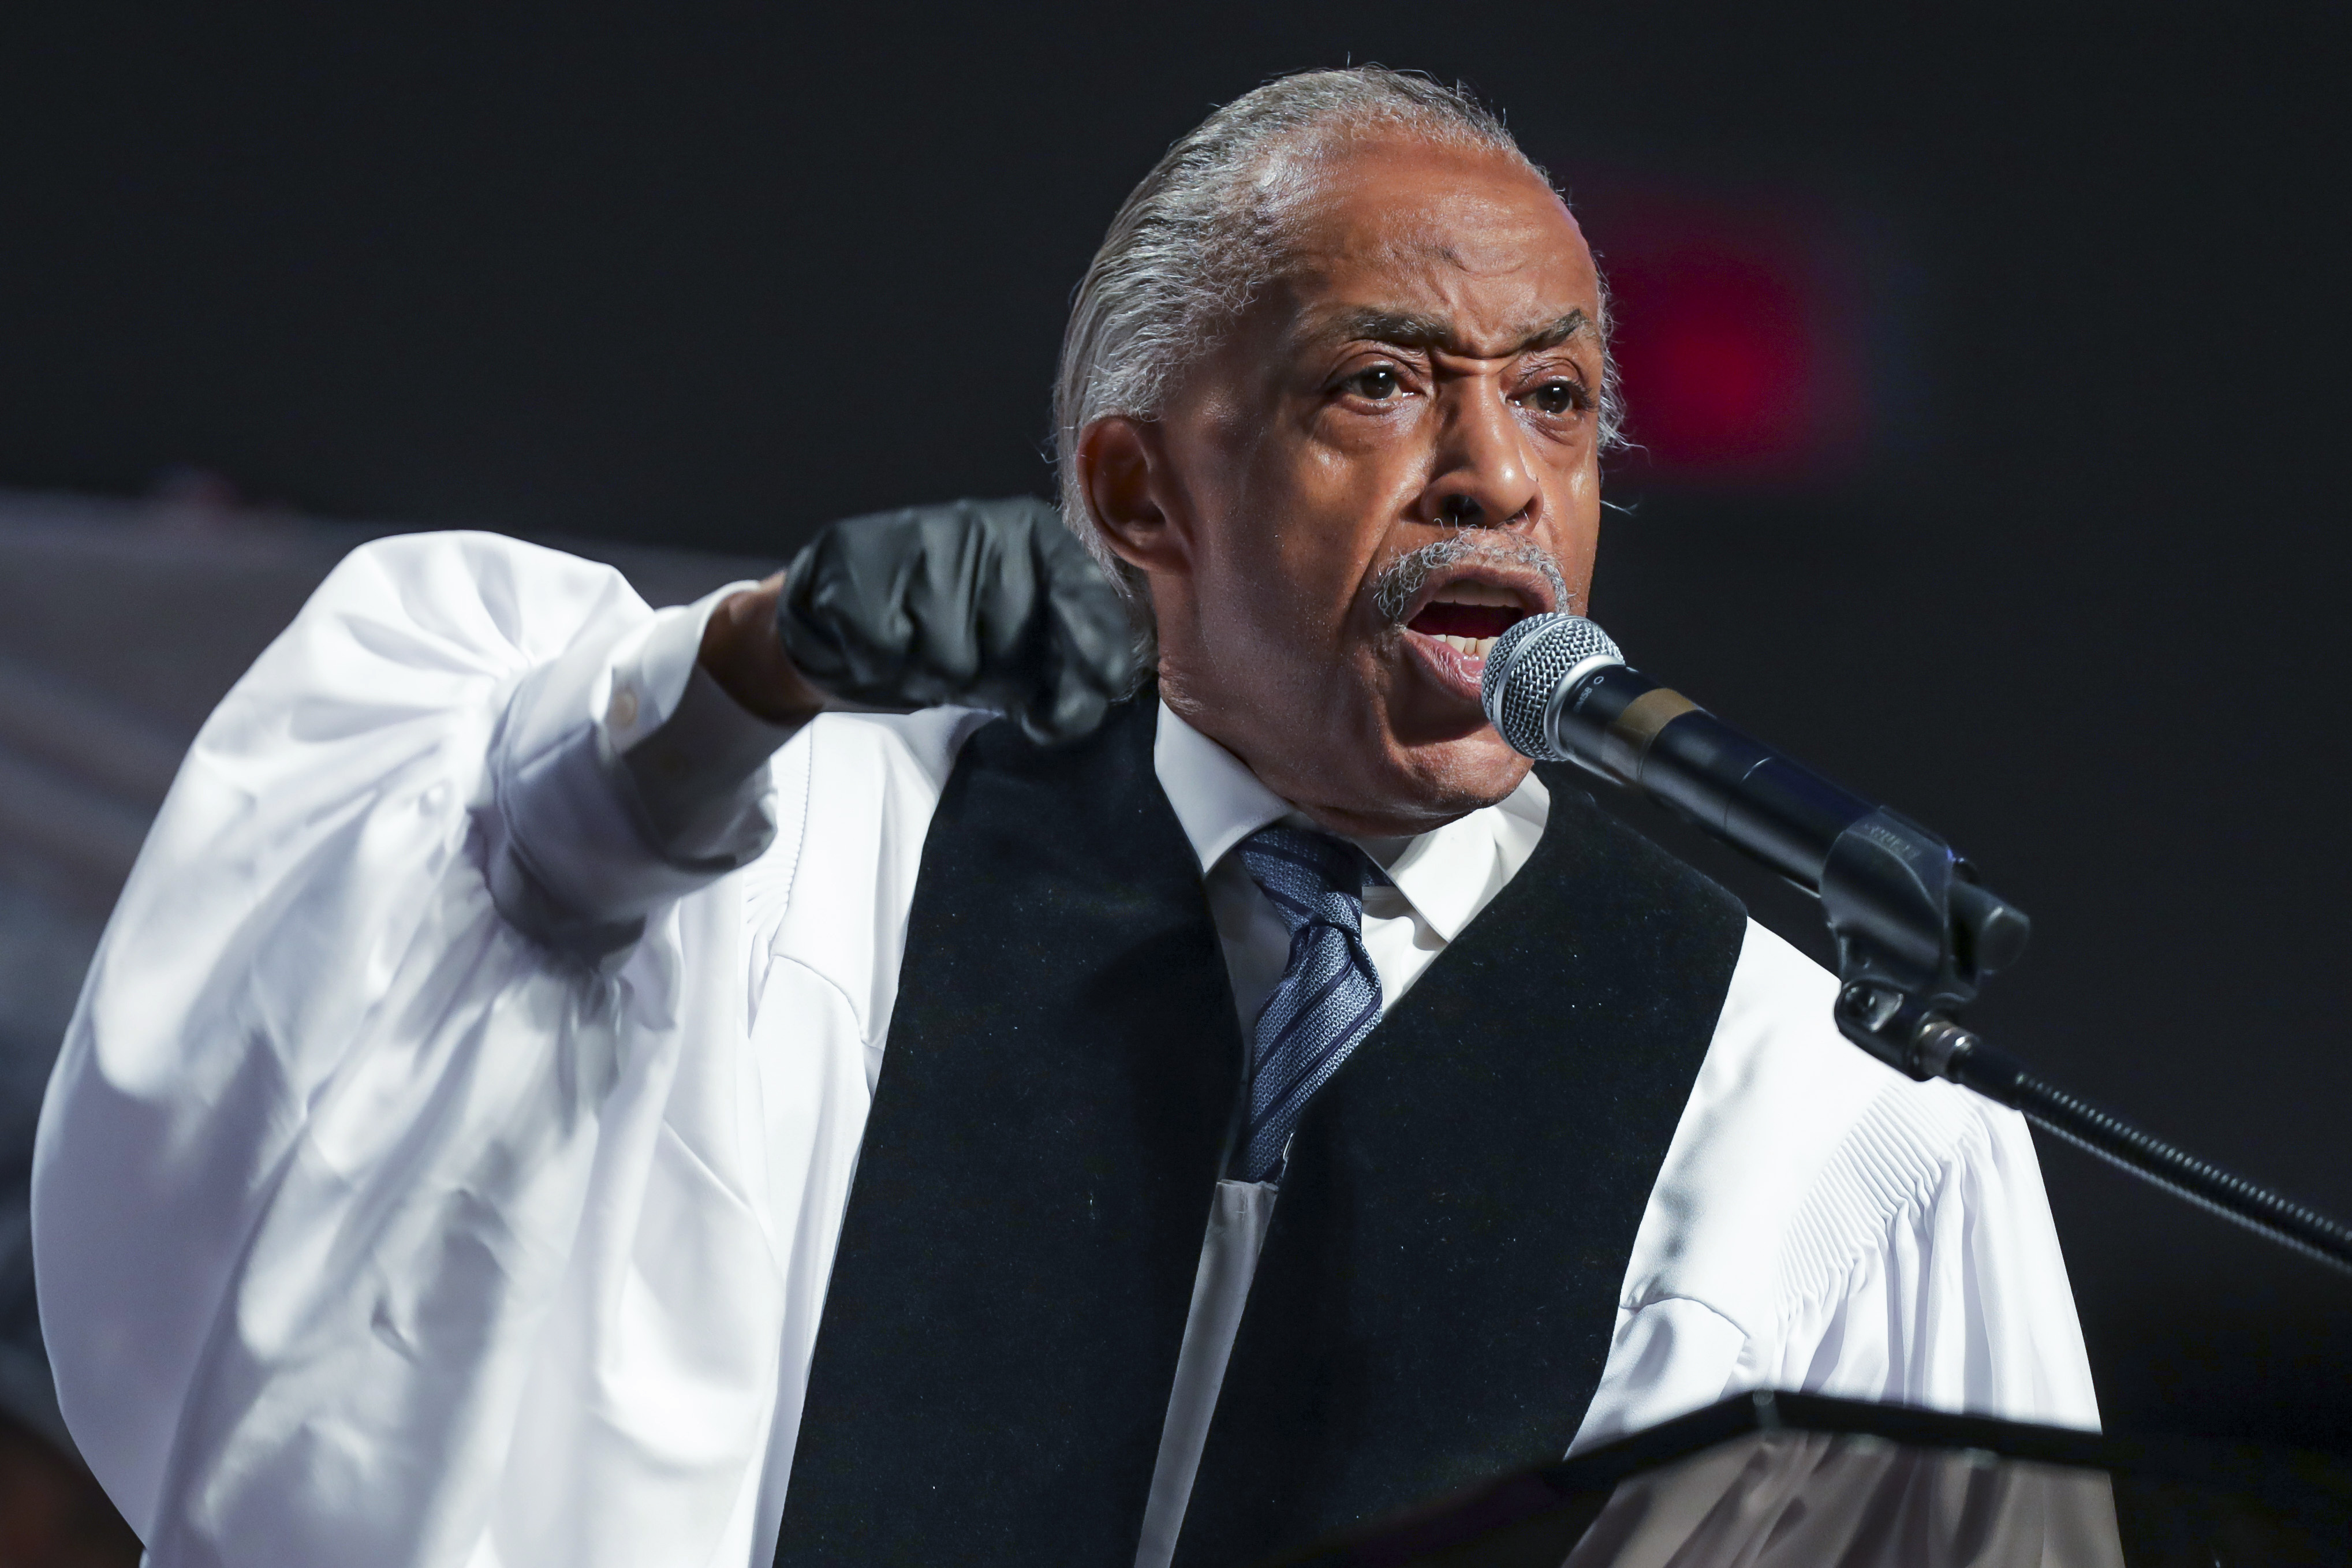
x=1401 y=579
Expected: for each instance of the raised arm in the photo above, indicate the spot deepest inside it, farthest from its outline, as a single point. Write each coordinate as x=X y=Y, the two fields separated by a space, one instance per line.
x=424 y=1008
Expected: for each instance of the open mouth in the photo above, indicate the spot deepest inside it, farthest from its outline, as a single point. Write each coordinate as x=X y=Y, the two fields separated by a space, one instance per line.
x=1448 y=602
x=1451 y=633
x=1466 y=615
x=1468 y=627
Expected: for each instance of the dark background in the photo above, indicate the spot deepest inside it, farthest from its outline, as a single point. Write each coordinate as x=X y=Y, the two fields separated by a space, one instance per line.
x=2020 y=508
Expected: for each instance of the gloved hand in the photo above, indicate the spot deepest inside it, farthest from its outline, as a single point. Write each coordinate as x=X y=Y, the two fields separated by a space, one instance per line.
x=982 y=604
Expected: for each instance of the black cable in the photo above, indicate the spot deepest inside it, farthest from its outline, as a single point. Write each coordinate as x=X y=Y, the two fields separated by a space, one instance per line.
x=1999 y=1077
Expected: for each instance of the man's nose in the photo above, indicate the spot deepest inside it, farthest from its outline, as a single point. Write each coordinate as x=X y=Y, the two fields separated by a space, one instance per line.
x=1483 y=475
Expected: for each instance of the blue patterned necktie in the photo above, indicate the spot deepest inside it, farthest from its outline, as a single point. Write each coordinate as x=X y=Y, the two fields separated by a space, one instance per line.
x=1329 y=995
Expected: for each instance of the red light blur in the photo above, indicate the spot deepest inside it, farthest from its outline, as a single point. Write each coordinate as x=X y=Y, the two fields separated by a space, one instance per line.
x=1739 y=338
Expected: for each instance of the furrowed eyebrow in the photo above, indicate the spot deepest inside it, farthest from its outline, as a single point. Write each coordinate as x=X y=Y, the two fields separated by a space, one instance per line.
x=1556 y=333
x=1405 y=329
x=1401 y=328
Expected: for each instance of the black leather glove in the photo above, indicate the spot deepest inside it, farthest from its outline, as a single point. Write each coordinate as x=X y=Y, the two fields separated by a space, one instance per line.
x=982 y=604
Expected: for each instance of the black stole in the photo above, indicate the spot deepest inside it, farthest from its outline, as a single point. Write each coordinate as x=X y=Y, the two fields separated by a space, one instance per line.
x=1436 y=1296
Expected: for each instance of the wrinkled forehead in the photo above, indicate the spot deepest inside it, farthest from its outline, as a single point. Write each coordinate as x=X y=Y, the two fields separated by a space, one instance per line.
x=1467 y=236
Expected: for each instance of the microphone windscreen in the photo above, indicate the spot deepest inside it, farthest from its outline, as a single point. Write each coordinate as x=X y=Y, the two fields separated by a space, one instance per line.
x=1526 y=665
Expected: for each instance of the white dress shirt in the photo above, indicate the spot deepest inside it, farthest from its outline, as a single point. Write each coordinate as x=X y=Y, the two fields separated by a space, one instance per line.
x=371 y=1231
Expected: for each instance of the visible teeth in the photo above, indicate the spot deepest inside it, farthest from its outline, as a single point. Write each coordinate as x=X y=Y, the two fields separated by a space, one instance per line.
x=1477 y=648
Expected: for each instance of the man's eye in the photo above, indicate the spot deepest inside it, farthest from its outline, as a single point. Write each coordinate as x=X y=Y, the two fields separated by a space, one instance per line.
x=1378 y=384
x=1558 y=397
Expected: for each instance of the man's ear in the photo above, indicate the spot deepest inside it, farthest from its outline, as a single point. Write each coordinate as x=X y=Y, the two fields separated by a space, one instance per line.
x=1123 y=470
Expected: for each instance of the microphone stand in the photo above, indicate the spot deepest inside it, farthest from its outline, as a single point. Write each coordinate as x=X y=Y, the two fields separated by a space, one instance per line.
x=1917 y=936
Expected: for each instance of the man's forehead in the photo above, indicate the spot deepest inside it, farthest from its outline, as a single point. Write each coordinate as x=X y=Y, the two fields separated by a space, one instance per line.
x=1432 y=247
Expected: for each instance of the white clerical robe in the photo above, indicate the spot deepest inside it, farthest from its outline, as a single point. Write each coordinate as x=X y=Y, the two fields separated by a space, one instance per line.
x=371 y=1232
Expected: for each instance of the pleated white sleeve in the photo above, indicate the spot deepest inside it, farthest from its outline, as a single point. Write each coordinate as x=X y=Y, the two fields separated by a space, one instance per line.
x=1822 y=1224
x=343 y=1184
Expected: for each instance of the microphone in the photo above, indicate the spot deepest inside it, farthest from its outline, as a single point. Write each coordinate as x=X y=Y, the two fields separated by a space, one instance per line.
x=1909 y=915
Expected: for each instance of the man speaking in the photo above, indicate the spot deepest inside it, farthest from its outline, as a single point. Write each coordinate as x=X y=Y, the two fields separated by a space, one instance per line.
x=862 y=1070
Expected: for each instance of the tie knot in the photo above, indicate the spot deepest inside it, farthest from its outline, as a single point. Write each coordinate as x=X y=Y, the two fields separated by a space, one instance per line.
x=1308 y=877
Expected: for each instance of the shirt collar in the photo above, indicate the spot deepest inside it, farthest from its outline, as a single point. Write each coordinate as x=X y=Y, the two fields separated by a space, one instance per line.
x=1218 y=801
x=1446 y=874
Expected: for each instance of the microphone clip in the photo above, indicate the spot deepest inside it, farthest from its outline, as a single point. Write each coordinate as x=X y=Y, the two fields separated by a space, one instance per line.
x=1917 y=935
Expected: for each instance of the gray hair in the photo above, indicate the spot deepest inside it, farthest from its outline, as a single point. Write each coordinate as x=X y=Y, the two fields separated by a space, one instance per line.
x=1194 y=241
